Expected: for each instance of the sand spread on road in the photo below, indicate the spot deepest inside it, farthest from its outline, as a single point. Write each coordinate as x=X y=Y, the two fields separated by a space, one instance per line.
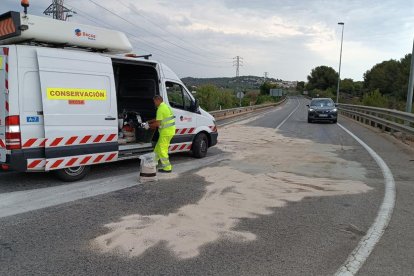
x=266 y=170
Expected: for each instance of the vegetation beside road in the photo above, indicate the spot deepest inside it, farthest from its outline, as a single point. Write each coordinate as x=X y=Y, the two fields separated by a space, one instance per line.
x=384 y=85
x=212 y=97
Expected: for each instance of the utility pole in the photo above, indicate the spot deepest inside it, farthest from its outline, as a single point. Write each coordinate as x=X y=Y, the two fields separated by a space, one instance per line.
x=266 y=74
x=237 y=62
x=59 y=11
x=409 y=106
x=340 y=61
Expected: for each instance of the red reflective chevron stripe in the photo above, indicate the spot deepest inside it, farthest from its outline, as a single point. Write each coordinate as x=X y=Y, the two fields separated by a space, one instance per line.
x=98 y=159
x=189 y=146
x=29 y=143
x=56 y=142
x=2 y=144
x=71 y=140
x=111 y=138
x=85 y=139
x=86 y=160
x=110 y=157
x=42 y=145
x=34 y=164
x=72 y=161
x=57 y=164
x=182 y=147
x=98 y=138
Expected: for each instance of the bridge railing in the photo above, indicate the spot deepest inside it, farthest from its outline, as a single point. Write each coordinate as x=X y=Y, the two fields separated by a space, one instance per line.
x=233 y=112
x=389 y=120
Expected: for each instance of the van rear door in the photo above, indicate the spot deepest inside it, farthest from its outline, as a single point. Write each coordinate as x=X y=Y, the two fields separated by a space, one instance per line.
x=79 y=107
x=2 y=106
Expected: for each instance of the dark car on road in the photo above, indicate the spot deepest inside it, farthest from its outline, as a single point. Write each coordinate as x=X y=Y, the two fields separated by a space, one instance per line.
x=322 y=109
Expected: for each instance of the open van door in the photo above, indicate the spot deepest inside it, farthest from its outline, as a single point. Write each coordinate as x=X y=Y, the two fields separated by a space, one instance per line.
x=3 y=105
x=79 y=106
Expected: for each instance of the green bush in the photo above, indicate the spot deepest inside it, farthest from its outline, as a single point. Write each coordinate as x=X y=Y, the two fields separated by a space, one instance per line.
x=375 y=98
x=267 y=99
x=212 y=98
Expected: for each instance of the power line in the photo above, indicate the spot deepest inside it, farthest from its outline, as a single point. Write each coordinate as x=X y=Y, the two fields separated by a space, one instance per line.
x=137 y=26
x=163 y=29
x=141 y=41
x=237 y=62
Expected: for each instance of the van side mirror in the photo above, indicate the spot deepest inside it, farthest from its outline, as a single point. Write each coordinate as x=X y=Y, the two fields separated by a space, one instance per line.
x=195 y=106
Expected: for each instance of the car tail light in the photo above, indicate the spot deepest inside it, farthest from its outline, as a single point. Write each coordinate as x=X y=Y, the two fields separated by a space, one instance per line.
x=13 y=135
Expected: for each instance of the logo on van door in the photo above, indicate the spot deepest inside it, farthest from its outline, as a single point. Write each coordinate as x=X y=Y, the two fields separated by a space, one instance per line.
x=80 y=33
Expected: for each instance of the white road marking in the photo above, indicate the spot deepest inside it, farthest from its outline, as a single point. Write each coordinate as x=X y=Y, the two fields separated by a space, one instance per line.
x=361 y=253
x=290 y=115
x=15 y=203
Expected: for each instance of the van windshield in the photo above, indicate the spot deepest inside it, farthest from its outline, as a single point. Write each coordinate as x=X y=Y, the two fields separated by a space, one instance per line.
x=322 y=103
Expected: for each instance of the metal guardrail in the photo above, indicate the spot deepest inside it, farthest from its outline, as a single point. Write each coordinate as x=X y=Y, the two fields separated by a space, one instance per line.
x=228 y=113
x=385 y=119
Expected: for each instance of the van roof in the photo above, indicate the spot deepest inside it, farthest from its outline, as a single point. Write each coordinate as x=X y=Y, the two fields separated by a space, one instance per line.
x=16 y=28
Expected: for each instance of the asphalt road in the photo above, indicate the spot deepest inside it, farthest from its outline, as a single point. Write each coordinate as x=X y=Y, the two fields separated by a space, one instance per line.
x=312 y=236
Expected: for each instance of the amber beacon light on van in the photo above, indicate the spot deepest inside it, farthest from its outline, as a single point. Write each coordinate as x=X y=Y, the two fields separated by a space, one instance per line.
x=10 y=25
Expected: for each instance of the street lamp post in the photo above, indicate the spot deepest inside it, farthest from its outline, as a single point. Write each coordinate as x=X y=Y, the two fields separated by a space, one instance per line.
x=409 y=106
x=340 y=61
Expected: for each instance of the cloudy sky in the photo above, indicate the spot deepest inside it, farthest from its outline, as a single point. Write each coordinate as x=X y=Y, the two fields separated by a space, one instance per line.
x=286 y=38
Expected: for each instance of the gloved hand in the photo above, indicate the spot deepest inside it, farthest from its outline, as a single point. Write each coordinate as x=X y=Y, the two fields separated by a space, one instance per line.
x=145 y=125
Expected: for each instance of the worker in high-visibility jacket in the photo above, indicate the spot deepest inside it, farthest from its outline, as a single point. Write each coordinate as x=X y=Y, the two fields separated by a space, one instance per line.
x=165 y=122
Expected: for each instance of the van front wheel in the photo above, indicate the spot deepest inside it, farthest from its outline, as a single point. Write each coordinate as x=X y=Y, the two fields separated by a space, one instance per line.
x=200 y=146
x=73 y=174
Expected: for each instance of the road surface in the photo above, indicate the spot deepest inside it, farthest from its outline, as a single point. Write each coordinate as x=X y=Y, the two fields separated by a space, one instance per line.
x=278 y=196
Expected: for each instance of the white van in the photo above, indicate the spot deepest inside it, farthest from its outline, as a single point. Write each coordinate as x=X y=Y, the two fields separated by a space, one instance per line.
x=61 y=103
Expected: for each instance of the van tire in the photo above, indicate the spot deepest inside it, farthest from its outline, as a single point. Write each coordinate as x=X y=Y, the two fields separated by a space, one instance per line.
x=72 y=174
x=200 y=146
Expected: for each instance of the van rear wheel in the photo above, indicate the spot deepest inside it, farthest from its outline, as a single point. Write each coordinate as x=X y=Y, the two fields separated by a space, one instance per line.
x=200 y=146
x=73 y=174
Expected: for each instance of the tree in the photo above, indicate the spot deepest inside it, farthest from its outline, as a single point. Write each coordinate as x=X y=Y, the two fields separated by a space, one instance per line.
x=322 y=77
x=347 y=86
x=300 y=86
x=385 y=77
x=265 y=88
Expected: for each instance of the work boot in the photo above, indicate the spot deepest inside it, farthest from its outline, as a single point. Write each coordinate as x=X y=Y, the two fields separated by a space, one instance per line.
x=163 y=171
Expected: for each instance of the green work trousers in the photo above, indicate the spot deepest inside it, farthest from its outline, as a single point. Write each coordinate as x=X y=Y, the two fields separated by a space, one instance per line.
x=161 y=152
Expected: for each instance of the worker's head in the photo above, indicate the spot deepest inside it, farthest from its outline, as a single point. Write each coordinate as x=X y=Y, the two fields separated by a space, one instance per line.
x=158 y=100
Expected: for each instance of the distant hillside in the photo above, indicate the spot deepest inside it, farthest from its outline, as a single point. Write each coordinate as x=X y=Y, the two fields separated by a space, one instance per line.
x=243 y=82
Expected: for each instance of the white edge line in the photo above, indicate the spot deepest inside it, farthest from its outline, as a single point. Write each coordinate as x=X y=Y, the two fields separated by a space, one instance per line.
x=366 y=245
x=290 y=115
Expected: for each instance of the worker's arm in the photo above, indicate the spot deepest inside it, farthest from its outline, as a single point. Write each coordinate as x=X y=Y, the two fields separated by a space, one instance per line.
x=154 y=124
